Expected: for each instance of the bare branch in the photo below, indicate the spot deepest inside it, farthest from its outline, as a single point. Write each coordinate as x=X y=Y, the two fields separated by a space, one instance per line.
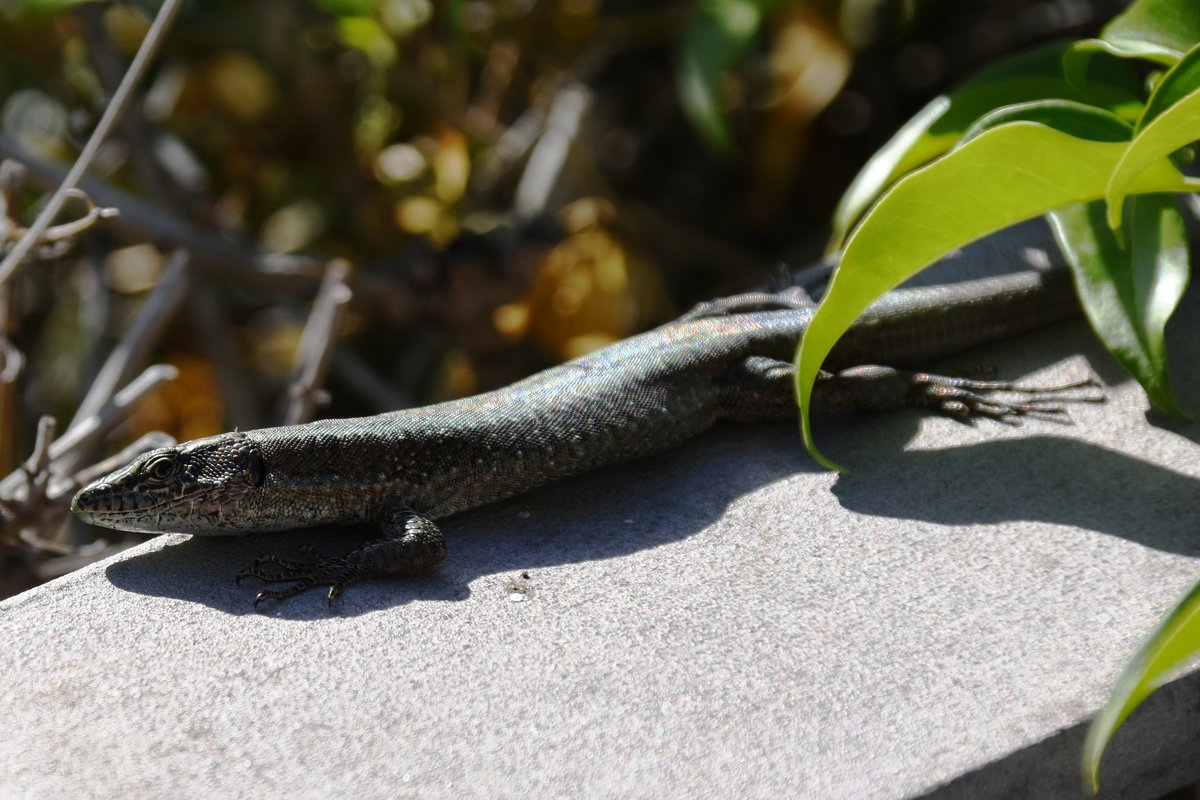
x=86 y=433
x=130 y=353
x=114 y=109
x=110 y=67
x=58 y=238
x=39 y=459
x=12 y=176
x=13 y=360
x=545 y=183
x=141 y=220
x=298 y=276
x=317 y=343
x=37 y=467
x=35 y=500
x=70 y=230
x=13 y=364
x=89 y=431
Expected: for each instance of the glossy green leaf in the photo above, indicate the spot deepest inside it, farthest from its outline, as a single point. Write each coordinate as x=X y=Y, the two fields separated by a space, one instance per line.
x=1077 y=58
x=1176 y=641
x=885 y=165
x=1129 y=293
x=1159 y=29
x=1077 y=119
x=1171 y=121
x=1036 y=75
x=1007 y=174
x=1175 y=86
x=718 y=35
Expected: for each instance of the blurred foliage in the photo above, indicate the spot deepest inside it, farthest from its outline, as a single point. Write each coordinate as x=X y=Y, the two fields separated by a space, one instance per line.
x=440 y=148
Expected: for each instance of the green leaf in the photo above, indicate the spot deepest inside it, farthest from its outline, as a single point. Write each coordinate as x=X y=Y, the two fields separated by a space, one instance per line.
x=366 y=35
x=346 y=8
x=1004 y=175
x=1175 y=86
x=1176 y=640
x=1129 y=293
x=1171 y=121
x=34 y=7
x=718 y=34
x=1077 y=58
x=1077 y=119
x=885 y=165
x=1160 y=29
x=1036 y=75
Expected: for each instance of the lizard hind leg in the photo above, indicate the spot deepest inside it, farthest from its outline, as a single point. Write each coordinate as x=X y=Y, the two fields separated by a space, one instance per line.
x=411 y=545
x=758 y=389
x=877 y=388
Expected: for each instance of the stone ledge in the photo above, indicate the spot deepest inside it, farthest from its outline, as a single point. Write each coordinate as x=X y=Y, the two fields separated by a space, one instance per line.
x=721 y=620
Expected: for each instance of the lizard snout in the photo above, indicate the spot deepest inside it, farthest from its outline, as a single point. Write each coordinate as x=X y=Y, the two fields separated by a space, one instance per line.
x=91 y=499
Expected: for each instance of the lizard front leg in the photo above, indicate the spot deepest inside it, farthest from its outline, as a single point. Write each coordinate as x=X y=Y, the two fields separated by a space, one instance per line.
x=411 y=545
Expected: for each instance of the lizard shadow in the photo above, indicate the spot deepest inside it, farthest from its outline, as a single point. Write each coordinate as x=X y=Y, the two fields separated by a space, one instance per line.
x=621 y=510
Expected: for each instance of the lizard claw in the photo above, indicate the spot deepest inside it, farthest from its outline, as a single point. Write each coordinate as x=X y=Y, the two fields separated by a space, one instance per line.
x=336 y=573
x=964 y=397
x=291 y=569
x=412 y=545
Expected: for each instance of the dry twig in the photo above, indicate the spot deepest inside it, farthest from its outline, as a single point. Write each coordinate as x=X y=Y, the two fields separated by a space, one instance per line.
x=317 y=344
x=131 y=352
x=89 y=431
x=112 y=112
x=272 y=273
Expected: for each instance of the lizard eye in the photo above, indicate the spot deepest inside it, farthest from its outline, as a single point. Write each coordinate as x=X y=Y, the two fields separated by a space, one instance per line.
x=161 y=468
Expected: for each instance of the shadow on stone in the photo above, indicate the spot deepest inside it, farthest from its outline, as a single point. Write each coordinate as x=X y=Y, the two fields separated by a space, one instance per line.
x=1047 y=479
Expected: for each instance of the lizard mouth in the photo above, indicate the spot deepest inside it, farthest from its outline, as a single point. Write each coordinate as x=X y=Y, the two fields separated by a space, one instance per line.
x=103 y=504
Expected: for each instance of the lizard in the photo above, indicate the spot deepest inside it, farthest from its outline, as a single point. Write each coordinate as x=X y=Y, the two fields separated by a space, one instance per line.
x=401 y=471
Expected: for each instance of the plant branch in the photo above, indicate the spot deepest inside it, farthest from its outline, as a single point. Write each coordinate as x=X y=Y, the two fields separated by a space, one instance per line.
x=298 y=276
x=139 y=337
x=316 y=345
x=90 y=430
x=112 y=112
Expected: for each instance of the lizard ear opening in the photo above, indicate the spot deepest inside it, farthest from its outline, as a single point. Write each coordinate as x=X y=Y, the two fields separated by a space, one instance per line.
x=256 y=469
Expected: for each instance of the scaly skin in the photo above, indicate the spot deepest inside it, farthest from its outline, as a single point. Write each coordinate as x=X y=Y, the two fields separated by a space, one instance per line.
x=401 y=470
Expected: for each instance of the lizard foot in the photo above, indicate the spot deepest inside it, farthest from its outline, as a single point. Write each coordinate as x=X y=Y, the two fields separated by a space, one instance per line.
x=337 y=573
x=411 y=545
x=874 y=387
x=964 y=397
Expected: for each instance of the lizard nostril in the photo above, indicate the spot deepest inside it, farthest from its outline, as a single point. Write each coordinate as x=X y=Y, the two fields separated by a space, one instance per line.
x=92 y=498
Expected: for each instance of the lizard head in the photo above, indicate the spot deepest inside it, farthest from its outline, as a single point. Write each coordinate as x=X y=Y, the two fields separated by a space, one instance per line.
x=186 y=488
